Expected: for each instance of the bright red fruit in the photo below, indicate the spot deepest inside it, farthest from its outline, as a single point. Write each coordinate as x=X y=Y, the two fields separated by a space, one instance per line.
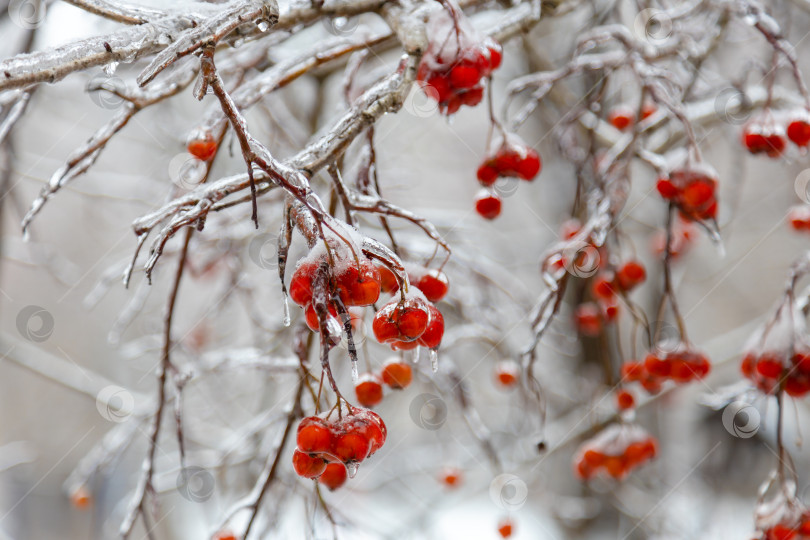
x=763 y=137
x=588 y=319
x=433 y=283
x=450 y=477
x=369 y=390
x=202 y=146
x=388 y=280
x=799 y=217
x=333 y=476
x=507 y=373
x=307 y=466
x=630 y=275
x=505 y=527
x=359 y=283
x=401 y=320
x=351 y=446
x=621 y=117
x=624 y=400
x=798 y=130
x=315 y=435
x=488 y=204
x=301 y=282
x=397 y=375
x=693 y=190
x=432 y=336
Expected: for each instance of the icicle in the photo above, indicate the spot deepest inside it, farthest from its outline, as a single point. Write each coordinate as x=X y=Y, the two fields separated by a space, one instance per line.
x=286 y=319
x=110 y=68
x=434 y=360
x=25 y=236
x=351 y=469
x=355 y=372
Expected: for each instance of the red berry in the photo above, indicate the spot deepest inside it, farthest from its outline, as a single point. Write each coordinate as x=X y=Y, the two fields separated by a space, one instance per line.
x=798 y=131
x=666 y=188
x=388 y=280
x=495 y=56
x=432 y=337
x=314 y=435
x=769 y=368
x=372 y=426
x=224 y=535
x=351 y=446
x=505 y=528
x=625 y=400
x=450 y=477
x=588 y=319
x=781 y=532
x=81 y=498
x=602 y=287
x=301 y=282
x=488 y=204
x=202 y=147
x=311 y=316
x=647 y=110
x=333 y=476
x=473 y=96
x=397 y=375
x=487 y=174
x=630 y=275
x=359 y=284
x=464 y=76
x=308 y=466
x=433 y=284
x=621 y=117
x=529 y=166
x=369 y=390
x=507 y=373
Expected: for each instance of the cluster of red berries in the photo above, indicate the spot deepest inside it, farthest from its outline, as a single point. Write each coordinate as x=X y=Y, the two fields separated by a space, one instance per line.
x=325 y=449
x=513 y=159
x=636 y=372
x=395 y=374
x=591 y=316
x=766 y=135
x=692 y=190
x=623 y=117
x=767 y=369
x=409 y=323
x=202 y=145
x=615 y=452
x=356 y=281
x=680 y=364
x=456 y=62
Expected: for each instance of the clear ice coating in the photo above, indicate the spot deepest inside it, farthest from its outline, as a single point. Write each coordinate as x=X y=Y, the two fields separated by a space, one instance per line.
x=355 y=372
x=351 y=469
x=286 y=308
x=434 y=360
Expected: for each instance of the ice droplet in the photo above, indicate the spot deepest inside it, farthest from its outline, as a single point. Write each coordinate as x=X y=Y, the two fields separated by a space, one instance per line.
x=351 y=469
x=434 y=360
x=110 y=68
x=263 y=26
x=286 y=307
x=26 y=236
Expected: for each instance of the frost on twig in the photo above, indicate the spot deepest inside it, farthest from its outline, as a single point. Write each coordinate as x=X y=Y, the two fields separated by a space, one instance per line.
x=180 y=32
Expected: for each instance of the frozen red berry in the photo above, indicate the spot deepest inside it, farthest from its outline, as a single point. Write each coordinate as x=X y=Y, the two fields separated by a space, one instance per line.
x=488 y=204
x=308 y=466
x=397 y=375
x=369 y=390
